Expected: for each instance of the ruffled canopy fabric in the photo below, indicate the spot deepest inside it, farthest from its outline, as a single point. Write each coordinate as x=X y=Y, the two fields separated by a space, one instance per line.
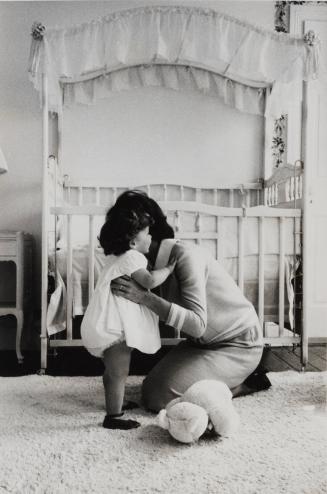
x=175 y=47
x=178 y=78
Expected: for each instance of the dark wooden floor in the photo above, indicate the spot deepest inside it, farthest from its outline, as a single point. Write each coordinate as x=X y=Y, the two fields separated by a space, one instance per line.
x=281 y=359
x=77 y=361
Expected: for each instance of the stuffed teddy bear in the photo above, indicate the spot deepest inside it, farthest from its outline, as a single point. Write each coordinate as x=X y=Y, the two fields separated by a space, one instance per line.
x=207 y=404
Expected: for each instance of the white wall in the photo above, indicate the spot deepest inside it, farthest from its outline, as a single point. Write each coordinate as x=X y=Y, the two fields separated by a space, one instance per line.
x=148 y=130
x=155 y=135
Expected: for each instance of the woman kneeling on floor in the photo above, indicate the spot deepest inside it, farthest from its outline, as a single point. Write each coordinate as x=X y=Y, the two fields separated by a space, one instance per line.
x=223 y=336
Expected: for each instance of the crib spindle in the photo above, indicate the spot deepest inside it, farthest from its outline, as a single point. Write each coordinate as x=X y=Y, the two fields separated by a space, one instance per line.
x=80 y=196
x=220 y=240
x=258 y=198
x=91 y=256
x=298 y=187
x=281 y=307
x=231 y=198
x=218 y=237
x=265 y=196
x=198 y=226
x=177 y=221
x=261 y=272
x=69 y=195
x=69 y=276
x=247 y=199
x=287 y=191
x=97 y=195
x=241 y=253
x=292 y=189
x=215 y=202
x=165 y=192
x=215 y=197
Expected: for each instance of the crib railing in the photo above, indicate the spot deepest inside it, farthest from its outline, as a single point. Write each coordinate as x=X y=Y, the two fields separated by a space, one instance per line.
x=285 y=186
x=230 y=195
x=240 y=201
x=176 y=210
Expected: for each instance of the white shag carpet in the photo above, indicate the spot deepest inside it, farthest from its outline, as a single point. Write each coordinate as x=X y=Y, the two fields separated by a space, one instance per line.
x=51 y=442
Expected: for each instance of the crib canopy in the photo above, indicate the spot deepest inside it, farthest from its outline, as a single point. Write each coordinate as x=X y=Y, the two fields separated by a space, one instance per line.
x=174 y=47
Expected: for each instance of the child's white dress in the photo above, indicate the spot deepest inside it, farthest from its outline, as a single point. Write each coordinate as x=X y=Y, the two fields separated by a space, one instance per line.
x=110 y=319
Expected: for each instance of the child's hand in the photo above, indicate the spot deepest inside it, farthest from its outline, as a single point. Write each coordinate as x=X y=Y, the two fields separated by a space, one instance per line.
x=171 y=264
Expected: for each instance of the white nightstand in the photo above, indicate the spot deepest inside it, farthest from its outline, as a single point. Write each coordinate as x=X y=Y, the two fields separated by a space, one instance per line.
x=16 y=247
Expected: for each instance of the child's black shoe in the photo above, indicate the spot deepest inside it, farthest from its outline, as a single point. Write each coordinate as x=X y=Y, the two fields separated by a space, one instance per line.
x=114 y=422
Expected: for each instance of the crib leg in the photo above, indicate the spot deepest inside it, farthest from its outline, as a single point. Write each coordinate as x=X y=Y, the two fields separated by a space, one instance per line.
x=54 y=353
x=304 y=353
x=44 y=355
x=304 y=358
x=20 y=324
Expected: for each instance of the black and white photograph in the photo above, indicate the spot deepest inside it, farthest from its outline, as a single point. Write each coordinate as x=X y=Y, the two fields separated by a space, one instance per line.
x=163 y=236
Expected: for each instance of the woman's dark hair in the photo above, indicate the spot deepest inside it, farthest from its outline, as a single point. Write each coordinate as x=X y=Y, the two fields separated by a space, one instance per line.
x=140 y=201
x=121 y=226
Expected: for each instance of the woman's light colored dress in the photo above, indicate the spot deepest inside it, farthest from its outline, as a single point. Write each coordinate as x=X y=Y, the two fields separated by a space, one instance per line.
x=222 y=330
x=110 y=319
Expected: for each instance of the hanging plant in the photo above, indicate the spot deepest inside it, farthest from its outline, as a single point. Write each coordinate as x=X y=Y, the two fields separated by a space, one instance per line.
x=278 y=141
x=282 y=13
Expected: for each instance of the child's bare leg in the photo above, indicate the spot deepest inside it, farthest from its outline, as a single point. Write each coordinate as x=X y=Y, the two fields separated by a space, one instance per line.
x=117 y=361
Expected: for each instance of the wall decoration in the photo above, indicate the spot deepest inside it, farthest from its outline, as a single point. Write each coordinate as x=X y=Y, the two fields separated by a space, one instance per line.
x=279 y=141
x=282 y=13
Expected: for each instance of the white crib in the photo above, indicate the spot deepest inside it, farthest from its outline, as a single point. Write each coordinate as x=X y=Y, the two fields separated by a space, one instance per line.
x=178 y=48
x=258 y=244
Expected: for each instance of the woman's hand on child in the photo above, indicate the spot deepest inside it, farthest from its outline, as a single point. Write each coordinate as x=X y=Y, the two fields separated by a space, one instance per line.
x=125 y=287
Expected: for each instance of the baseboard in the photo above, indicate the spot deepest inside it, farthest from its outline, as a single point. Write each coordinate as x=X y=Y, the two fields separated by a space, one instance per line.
x=318 y=340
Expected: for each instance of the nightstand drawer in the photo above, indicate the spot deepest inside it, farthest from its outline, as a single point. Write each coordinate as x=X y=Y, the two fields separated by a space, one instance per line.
x=8 y=247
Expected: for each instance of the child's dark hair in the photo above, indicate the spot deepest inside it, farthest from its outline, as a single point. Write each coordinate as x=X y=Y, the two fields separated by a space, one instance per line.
x=139 y=201
x=121 y=226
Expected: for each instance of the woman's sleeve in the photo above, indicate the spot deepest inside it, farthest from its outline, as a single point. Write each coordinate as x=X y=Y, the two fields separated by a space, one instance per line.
x=191 y=272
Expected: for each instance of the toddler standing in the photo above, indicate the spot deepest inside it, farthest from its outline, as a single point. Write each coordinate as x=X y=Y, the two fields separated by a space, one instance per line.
x=113 y=326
